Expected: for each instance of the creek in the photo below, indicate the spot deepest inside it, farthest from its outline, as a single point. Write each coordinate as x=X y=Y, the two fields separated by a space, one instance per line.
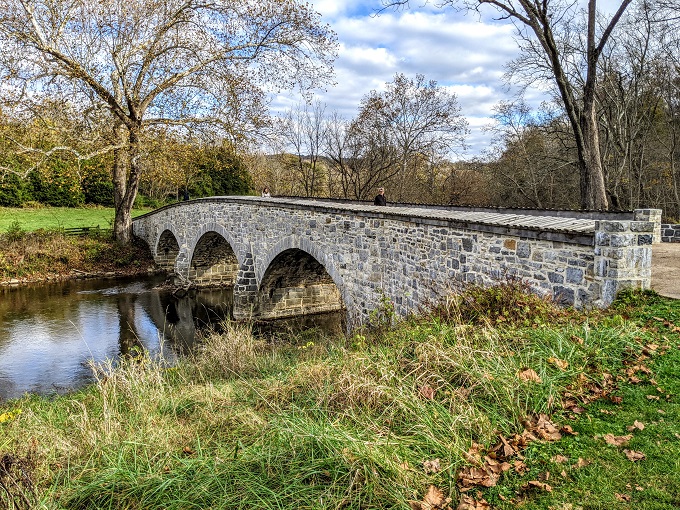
x=50 y=333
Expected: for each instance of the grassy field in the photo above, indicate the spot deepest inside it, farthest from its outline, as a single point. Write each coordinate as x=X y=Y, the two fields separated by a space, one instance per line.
x=30 y=219
x=498 y=401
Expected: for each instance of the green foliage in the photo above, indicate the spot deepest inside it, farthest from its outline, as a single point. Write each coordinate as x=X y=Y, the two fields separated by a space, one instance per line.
x=510 y=301
x=220 y=172
x=15 y=232
x=13 y=191
x=57 y=185
x=97 y=186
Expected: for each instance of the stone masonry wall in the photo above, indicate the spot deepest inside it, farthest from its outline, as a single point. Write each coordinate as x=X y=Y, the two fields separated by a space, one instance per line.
x=670 y=233
x=411 y=258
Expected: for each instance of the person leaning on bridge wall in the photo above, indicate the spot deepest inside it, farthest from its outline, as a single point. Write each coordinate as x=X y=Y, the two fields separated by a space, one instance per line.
x=380 y=197
x=266 y=193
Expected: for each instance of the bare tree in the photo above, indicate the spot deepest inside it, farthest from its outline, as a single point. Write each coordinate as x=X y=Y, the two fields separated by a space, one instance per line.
x=422 y=121
x=546 y=30
x=362 y=154
x=529 y=158
x=178 y=63
x=302 y=130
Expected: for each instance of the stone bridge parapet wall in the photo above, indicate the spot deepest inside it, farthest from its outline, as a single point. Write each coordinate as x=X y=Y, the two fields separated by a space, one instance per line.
x=670 y=233
x=414 y=257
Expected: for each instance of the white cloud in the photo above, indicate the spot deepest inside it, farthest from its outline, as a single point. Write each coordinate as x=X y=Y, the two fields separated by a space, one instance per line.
x=466 y=54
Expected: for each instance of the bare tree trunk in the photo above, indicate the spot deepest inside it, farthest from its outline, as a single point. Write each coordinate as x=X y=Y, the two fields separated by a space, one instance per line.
x=127 y=172
x=593 y=191
x=121 y=221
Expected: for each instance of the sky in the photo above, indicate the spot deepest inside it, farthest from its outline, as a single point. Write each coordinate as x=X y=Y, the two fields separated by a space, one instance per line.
x=465 y=53
x=460 y=52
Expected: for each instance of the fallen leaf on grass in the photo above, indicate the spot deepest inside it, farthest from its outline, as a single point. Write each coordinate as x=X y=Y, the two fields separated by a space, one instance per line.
x=520 y=467
x=622 y=497
x=617 y=440
x=546 y=429
x=650 y=349
x=529 y=374
x=636 y=426
x=495 y=466
x=566 y=429
x=582 y=463
x=559 y=363
x=187 y=450
x=634 y=456
x=652 y=397
x=470 y=503
x=474 y=455
x=427 y=392
x=433 y=500
x=508 y=450
x=432 y=466
x=540 y=485
x=559 y=459
x=473 y=476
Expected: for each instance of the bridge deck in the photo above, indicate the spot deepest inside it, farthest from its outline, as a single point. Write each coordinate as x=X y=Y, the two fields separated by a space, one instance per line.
x=516 y=221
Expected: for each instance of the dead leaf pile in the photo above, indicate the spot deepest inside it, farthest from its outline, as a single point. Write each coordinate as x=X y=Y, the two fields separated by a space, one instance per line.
x=488 y=466
x=584 y=391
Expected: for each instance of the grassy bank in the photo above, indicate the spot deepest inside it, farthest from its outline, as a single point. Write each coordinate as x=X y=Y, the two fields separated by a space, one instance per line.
x=49 y=254
x=51 y=218
x=498 y=401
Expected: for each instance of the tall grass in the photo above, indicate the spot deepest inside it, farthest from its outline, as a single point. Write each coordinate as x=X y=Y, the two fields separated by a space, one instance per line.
x=330 y=423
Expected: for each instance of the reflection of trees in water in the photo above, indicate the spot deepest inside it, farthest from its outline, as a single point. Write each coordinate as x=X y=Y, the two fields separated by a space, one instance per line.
x=128 y=339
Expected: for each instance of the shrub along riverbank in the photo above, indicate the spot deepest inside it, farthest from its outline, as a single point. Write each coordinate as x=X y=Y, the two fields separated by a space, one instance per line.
x=499 y=400
x=38 y=255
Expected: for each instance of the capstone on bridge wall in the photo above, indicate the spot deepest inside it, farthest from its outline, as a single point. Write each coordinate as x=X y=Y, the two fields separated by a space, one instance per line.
x=411 y=257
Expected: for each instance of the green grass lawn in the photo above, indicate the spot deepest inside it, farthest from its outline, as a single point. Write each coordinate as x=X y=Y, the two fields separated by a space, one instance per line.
x=59 y=217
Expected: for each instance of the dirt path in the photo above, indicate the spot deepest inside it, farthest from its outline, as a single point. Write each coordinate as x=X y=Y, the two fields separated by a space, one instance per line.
x=666 y=269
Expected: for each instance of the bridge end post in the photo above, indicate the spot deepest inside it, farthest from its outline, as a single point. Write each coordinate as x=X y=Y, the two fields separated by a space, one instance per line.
x=623 y=257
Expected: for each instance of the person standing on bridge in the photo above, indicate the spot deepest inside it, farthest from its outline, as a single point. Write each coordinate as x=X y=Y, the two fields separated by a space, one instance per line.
x=380 y=197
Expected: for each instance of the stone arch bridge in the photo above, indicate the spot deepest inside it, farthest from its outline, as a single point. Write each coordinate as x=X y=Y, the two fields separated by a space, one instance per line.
x=288 y=257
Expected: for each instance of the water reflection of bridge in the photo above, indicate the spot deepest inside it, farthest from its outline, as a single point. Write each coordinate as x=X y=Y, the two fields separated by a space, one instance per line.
x=176 y=319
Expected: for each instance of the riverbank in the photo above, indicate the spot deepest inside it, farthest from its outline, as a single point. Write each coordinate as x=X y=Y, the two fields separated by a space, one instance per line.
x=496 y=401
x=49 y=255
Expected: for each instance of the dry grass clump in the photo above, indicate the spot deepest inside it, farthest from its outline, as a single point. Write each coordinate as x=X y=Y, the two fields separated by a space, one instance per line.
x=233 y=352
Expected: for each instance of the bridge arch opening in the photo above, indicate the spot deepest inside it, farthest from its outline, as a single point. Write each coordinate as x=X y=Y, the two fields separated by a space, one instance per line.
x=213 y=261
x=167 y=250
x=295 y=283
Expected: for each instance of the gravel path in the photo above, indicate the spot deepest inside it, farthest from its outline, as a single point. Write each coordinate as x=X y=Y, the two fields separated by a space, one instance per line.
x=666 y=269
